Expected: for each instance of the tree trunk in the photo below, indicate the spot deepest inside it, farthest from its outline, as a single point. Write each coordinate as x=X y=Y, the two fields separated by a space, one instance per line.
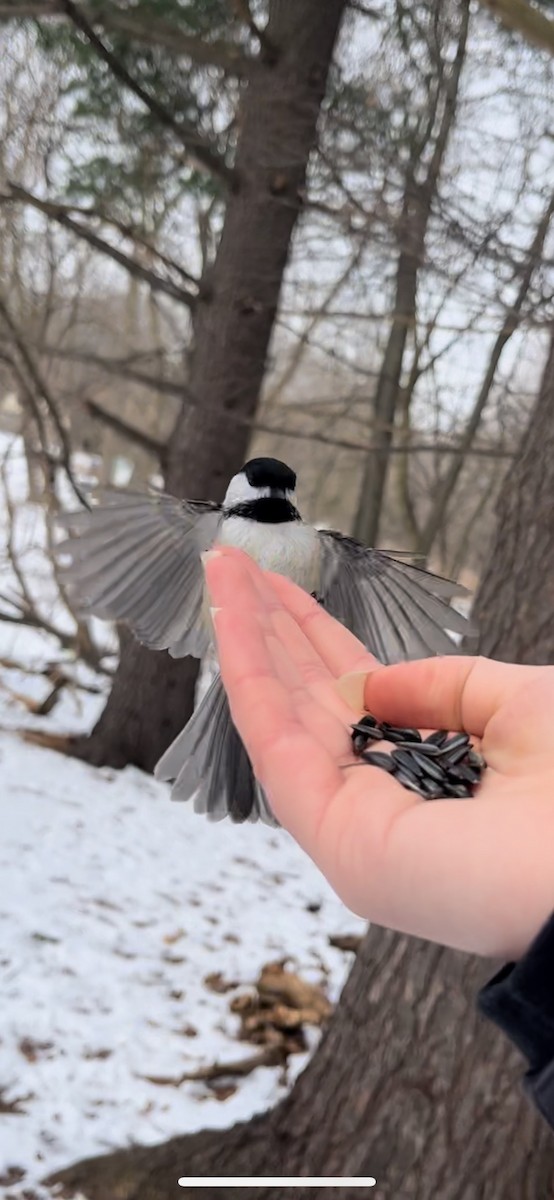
x=414 y=221
x=447 y=484
x=152 y=696
x=516 y=600
x=408 y=1084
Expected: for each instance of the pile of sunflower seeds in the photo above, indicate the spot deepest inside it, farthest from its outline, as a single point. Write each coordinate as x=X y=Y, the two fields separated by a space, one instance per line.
x=434 y=767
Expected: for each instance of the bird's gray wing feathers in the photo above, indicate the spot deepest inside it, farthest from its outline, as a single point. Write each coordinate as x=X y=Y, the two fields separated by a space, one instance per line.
x=135 y=557
x=207 y=760
x=397 y=610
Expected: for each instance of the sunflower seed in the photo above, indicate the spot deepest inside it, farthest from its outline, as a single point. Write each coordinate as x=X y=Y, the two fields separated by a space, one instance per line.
x=459 y=791
x=395 y=733
x=433 y=791
x=455 y=743
x=455 y=749
x=410 y=782
x=422 y=748
x=373 y=734
x=438 y=767
x=367 y=722
x=455 y=756
x=436 y=739
x=464 y=774
x=407 y=767
x=376 y=758
x=428 y=767
x=406 y=760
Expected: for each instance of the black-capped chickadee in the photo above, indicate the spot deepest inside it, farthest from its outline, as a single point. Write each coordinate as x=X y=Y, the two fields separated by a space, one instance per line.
x=136 y=558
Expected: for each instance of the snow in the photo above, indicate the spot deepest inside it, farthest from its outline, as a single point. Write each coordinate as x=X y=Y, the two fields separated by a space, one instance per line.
x=115 y=905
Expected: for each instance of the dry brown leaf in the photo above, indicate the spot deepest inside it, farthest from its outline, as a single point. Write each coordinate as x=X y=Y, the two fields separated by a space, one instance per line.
x=216 y=983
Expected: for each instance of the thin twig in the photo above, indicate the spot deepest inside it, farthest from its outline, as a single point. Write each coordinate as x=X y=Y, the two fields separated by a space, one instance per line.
x=59 y=213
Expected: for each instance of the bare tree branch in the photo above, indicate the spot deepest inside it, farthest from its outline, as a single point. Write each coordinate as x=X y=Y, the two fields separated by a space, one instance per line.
x=508 y=328
x=59 y=213
x=130 y=432
x=118 y=366
x=38 y=385
x=115 y=366
x=26 y=611
x=122 y=227
x=158 y=448
x=413 y=225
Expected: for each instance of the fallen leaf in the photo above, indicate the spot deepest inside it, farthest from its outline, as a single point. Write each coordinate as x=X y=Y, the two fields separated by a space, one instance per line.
x=216 y=983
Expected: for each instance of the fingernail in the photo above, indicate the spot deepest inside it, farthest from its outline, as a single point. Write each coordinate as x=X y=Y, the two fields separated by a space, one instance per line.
x=352 y=688
x=207 y=556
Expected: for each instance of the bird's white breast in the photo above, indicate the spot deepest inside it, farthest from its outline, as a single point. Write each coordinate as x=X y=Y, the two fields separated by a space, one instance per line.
x=289 y=548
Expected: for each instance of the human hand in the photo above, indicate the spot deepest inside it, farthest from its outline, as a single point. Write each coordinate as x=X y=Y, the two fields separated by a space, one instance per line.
x=474 y=874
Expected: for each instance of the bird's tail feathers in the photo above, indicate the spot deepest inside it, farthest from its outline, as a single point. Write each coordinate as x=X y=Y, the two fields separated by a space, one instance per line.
x=208 y=761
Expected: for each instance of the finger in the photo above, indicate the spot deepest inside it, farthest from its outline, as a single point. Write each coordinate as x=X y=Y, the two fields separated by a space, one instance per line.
x=296 y=769
x=316 y=704
x=446 y=693
x=338 y=648
x=237 y=584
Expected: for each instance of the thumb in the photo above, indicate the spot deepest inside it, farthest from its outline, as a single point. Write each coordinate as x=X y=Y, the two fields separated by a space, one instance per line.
x=454 y=692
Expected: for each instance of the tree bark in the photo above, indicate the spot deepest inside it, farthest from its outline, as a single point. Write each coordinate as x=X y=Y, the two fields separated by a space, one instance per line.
x=408 y=1084
x=152 y=696
x=516 y=600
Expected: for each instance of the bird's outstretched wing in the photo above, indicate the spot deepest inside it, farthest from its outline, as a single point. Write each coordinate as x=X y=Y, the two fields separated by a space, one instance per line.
x=135 y=557
x=397 y=610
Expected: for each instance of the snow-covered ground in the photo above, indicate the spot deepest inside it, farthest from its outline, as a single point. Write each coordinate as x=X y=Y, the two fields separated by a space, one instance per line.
x=115 y=904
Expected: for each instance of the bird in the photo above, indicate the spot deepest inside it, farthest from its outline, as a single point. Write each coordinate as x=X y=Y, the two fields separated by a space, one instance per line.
x=135 y=558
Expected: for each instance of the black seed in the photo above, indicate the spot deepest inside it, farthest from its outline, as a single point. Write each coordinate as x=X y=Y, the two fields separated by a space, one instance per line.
x=452 y=757
x=406 y=759
x=367 y=722
x=475 y=759
x=374 y=735
x=376 y=758
x=459 y=791
x=429 y=768
x=422 y=748
x=410 y=782
x=455 y=743
x=359 y=743
x=464 y=774
x=404 y=769
x=433 y=791
x=395 y=733
x=436 y=739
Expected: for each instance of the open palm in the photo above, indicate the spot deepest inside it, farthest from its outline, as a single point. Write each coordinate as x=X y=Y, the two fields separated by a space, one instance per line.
x=474 y=874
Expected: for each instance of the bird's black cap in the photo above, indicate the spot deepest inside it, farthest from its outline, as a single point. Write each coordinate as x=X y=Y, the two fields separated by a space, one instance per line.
x=269 y=472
